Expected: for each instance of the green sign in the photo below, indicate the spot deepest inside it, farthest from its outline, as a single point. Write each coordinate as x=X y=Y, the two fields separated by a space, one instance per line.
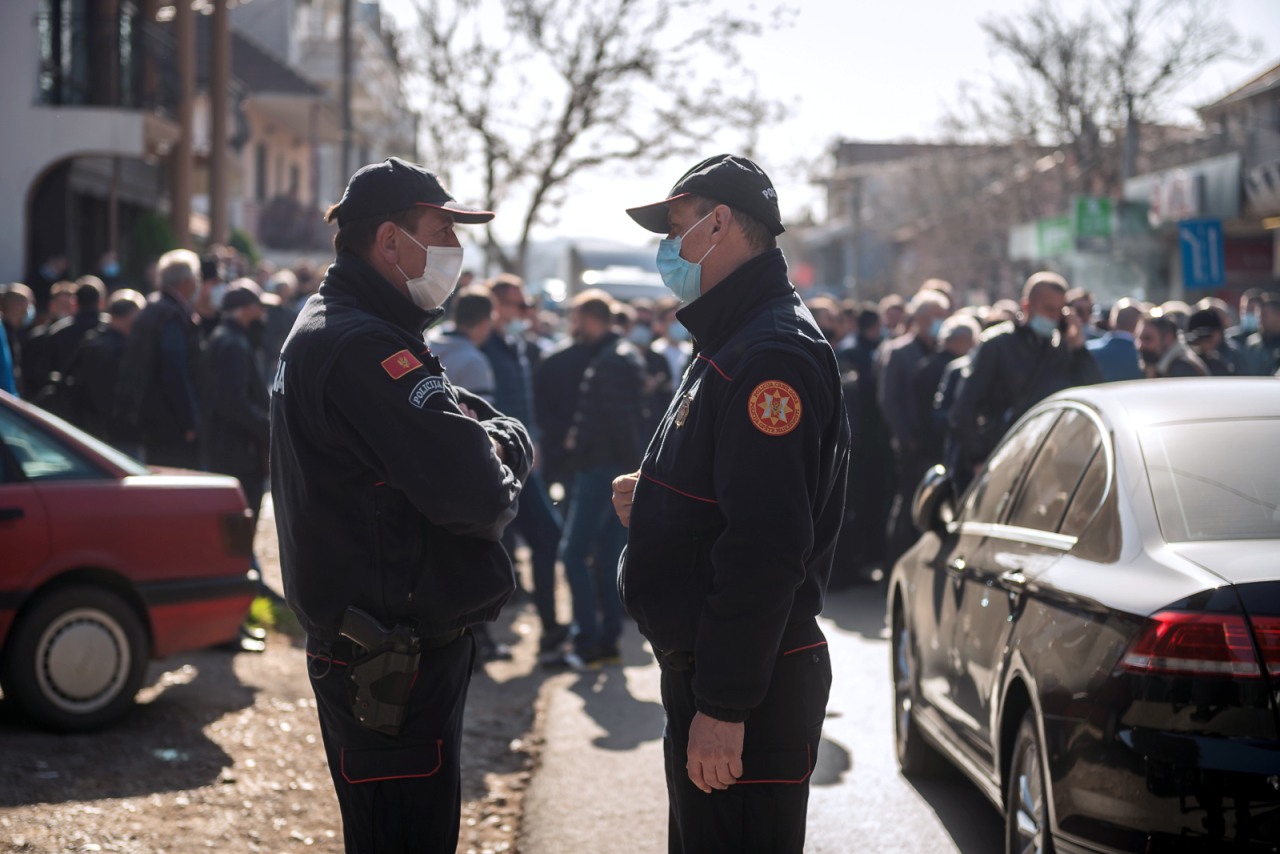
x=1093 y=217
x=1054 y=236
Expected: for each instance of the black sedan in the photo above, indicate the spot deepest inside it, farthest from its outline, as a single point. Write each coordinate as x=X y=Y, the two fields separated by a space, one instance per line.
x=1092 y=631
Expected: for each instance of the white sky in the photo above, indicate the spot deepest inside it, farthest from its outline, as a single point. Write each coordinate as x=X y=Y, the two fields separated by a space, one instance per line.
x=866 y=70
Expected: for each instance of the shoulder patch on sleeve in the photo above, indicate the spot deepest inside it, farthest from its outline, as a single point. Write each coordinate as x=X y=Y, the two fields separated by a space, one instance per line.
x=398 y=364
x=425 y=390
x=774 y=408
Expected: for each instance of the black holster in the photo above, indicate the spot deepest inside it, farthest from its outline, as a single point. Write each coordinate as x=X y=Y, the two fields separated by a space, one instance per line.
x=381 y=680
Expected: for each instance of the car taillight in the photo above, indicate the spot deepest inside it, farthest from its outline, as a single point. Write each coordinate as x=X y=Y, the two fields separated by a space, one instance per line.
x=1267 y=631
x=1198 y=644
x=237 y=533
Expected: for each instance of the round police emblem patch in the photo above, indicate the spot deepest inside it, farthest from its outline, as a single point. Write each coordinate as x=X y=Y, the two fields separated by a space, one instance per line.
x=774 y=408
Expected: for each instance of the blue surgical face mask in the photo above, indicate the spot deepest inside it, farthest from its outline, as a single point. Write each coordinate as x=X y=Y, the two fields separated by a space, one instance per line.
x=1249 y=323
x=682 y=277
x=935 y=328
x=1042 y=326
x=517 y=327
x=111 y=269
x=641 y=335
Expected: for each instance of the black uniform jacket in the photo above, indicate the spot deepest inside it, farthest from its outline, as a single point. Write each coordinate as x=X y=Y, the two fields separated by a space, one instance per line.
x=741 y=491
x=387 y=496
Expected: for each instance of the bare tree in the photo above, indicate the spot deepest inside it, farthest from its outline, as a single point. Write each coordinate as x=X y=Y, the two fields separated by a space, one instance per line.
x=533 y=94
x=1088 y=81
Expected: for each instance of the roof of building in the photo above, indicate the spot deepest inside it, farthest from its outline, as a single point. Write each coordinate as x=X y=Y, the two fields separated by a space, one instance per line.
x=256 y=68
x=1267 y=81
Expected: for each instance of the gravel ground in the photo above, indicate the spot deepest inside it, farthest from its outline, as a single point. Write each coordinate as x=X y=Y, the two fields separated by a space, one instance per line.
x=223 y=753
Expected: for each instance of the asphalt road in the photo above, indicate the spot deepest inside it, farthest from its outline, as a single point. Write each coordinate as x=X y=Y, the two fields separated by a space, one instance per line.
x=600 y=788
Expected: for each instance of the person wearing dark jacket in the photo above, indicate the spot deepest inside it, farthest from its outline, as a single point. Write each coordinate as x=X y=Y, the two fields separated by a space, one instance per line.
x=1018 y=364
x=556 y=385
x=603 y=439
x=95 y=368
x=1164 y=353
x=906 y=402
x=733 y=519
x=236 y=427
x=157 y=404
x=392 y=490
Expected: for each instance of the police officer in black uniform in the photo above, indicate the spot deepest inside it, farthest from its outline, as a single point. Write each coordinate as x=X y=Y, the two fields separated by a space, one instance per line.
x=733 y=518
x=392 y=488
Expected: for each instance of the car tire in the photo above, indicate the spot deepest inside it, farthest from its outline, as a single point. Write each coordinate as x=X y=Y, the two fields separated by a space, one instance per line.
x=916 y=756
x=76 y=658
x=1026 y=812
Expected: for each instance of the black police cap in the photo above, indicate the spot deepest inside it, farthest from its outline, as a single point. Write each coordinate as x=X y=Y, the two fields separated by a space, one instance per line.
x=397 y=185
x=727 y=179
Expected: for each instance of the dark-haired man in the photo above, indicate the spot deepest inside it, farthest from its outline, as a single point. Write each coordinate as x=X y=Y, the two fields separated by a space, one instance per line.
x=392 y=489
x=733 y=518
x=1163 y=352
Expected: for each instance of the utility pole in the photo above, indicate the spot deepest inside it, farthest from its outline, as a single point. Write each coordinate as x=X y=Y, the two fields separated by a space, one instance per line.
x=184 y=25
x=345 y=171
x=219 y=98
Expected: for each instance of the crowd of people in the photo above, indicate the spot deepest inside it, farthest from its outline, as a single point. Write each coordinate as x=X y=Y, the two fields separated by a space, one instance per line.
x=177 y=374
x=930 y=383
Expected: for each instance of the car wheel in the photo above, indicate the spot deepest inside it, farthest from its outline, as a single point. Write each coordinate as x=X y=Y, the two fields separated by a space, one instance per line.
x=1026 y=814
x=76 y=659
x=916 y=757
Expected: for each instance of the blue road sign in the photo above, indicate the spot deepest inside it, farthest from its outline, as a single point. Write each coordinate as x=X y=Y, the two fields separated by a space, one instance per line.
x=1200 y=241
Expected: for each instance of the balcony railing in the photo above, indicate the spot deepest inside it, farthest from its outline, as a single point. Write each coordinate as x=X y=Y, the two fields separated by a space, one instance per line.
x=90 y=57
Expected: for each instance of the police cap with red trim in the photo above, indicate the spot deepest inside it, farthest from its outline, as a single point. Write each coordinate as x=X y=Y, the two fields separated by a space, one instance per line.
x=397 y=185
x=727 y=179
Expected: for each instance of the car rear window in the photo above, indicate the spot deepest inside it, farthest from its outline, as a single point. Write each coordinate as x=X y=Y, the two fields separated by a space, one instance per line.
x=1215 y=480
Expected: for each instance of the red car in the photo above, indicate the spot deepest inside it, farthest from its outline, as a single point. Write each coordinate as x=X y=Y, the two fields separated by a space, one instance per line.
x=104 y=564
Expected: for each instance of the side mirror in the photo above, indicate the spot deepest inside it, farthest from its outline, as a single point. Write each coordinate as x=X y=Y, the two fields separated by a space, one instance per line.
x=933 y=506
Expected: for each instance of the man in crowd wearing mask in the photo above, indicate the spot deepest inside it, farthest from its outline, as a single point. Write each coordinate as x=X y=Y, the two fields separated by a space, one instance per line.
x=1250 y=306
x=733 y=519
x=392 y=490
x=537 y=522
x=1018 y=364
x=1260 y=356
x=900 y=363
x=157 y=404
x=1163 y=353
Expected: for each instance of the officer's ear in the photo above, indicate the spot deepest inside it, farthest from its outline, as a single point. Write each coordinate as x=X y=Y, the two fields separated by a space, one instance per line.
x=386 y=242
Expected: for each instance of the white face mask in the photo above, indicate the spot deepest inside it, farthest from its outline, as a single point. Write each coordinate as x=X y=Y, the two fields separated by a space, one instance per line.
x=439 y=275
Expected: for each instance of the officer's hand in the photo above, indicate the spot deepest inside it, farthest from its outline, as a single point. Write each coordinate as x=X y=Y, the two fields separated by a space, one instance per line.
x=469 y=412
x=624 y=489
x=715 y=752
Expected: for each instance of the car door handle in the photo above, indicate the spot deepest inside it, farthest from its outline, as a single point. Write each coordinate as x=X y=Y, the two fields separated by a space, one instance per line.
x=7 y=513
x=1013 y=576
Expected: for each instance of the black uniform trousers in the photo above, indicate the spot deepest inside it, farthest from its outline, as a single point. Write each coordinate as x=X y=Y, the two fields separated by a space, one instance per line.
x=402 y=793
x=765 y=810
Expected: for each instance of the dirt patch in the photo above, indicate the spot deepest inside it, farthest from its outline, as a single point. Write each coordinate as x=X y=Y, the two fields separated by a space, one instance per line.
x=223 y=753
